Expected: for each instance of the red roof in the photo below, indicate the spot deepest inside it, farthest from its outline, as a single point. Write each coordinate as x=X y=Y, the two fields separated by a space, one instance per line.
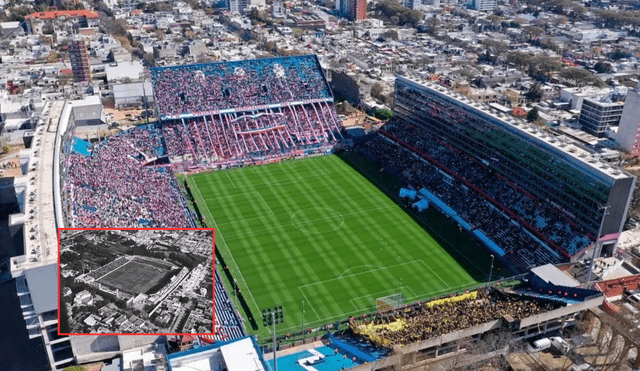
x=64 y=13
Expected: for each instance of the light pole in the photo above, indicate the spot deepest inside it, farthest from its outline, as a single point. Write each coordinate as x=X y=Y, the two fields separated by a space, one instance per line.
x=235 y=291
x=304 y=334
x=491 y=270
x=275 y=359
x=273 y=317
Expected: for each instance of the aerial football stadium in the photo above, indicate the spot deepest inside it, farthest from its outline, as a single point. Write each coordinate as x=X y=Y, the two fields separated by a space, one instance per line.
x=444 y=198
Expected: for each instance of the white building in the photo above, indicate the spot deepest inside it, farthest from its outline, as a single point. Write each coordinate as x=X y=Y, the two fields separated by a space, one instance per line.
x=628 y=136
x=484 y=5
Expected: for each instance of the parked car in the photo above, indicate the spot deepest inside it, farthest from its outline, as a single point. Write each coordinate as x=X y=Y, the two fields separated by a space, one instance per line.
x=540 y=345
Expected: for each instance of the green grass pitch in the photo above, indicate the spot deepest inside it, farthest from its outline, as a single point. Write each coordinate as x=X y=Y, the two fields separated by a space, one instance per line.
x=316 y=231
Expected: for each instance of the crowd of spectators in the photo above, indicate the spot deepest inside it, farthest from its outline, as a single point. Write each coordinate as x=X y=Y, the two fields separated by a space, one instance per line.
x=521 y=249
x=114 y=188
x=543 y=217
x=222 y=138
x=199 y=88
x=423 y=322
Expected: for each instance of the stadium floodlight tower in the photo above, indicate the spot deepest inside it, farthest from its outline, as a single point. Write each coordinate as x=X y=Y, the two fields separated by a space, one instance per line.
x=491 y=269
x=271 y=318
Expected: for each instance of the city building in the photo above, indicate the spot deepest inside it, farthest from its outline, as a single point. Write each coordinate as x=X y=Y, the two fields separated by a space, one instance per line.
x=357 y=10
x=35 y=22
x=413 y=4
x=240 y=6
x=354 y=10
x=553 y=170
x=628 y=136
x=342 y=7
x=235 y=355
x=37 y=290
x=484 y=5
x=598 y=115
x=80 y=64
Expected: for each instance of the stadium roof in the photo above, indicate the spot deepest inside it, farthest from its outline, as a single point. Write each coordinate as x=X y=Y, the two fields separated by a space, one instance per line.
x=550 y=273
x=237 y=355
x=63 y=13
x=43 y=287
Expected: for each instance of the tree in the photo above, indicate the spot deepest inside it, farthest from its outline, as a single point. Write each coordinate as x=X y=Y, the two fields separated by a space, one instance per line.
x=533 y=32
x=4 y=145
x=495 y=47
x=579 y=77
x=535 y=94
x=376 y=90
x=432 y=24
x=532 y=115
x=603 y=67
x=384 y=114
x=391 y=34
x=520 y=59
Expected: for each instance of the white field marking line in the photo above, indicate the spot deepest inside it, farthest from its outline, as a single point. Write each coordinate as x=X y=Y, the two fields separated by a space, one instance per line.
x=111 y=271
x=375 y=296
x=311 y=305
x=315 y=220
x=229 y=251
x=242 y=194
x=357 y=274
x=327 y=171
x=410 y=289
x=231 y=180
x=290 y=225
x=290 y=181
x=348 y=314
x=432 y=271
x=432 y=229
x=254 y=169
x=265 y=202
x=358 y=266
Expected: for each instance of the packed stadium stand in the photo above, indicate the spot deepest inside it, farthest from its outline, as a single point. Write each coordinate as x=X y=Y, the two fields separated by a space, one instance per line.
x=229 y=112
x=473 y=208
x=200 y=89
x=114 y=187
x=539 y=198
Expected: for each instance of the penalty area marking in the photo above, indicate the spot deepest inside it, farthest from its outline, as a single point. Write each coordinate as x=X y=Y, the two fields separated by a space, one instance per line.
x=375 y=295
x=311 y=305
x=432 y=271
x=358 y=266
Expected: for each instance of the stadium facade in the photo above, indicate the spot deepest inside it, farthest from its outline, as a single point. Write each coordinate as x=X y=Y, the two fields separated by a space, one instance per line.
x=563 y=178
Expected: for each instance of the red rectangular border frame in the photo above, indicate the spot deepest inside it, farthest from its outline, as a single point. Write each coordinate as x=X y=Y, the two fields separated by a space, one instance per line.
x=213 y=283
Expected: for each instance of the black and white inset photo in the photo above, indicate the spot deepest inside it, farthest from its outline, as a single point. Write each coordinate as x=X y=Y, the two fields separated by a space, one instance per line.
x=136 y=281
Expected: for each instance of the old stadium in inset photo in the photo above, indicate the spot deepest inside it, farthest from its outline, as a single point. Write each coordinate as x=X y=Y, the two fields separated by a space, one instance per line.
x=136 y=281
